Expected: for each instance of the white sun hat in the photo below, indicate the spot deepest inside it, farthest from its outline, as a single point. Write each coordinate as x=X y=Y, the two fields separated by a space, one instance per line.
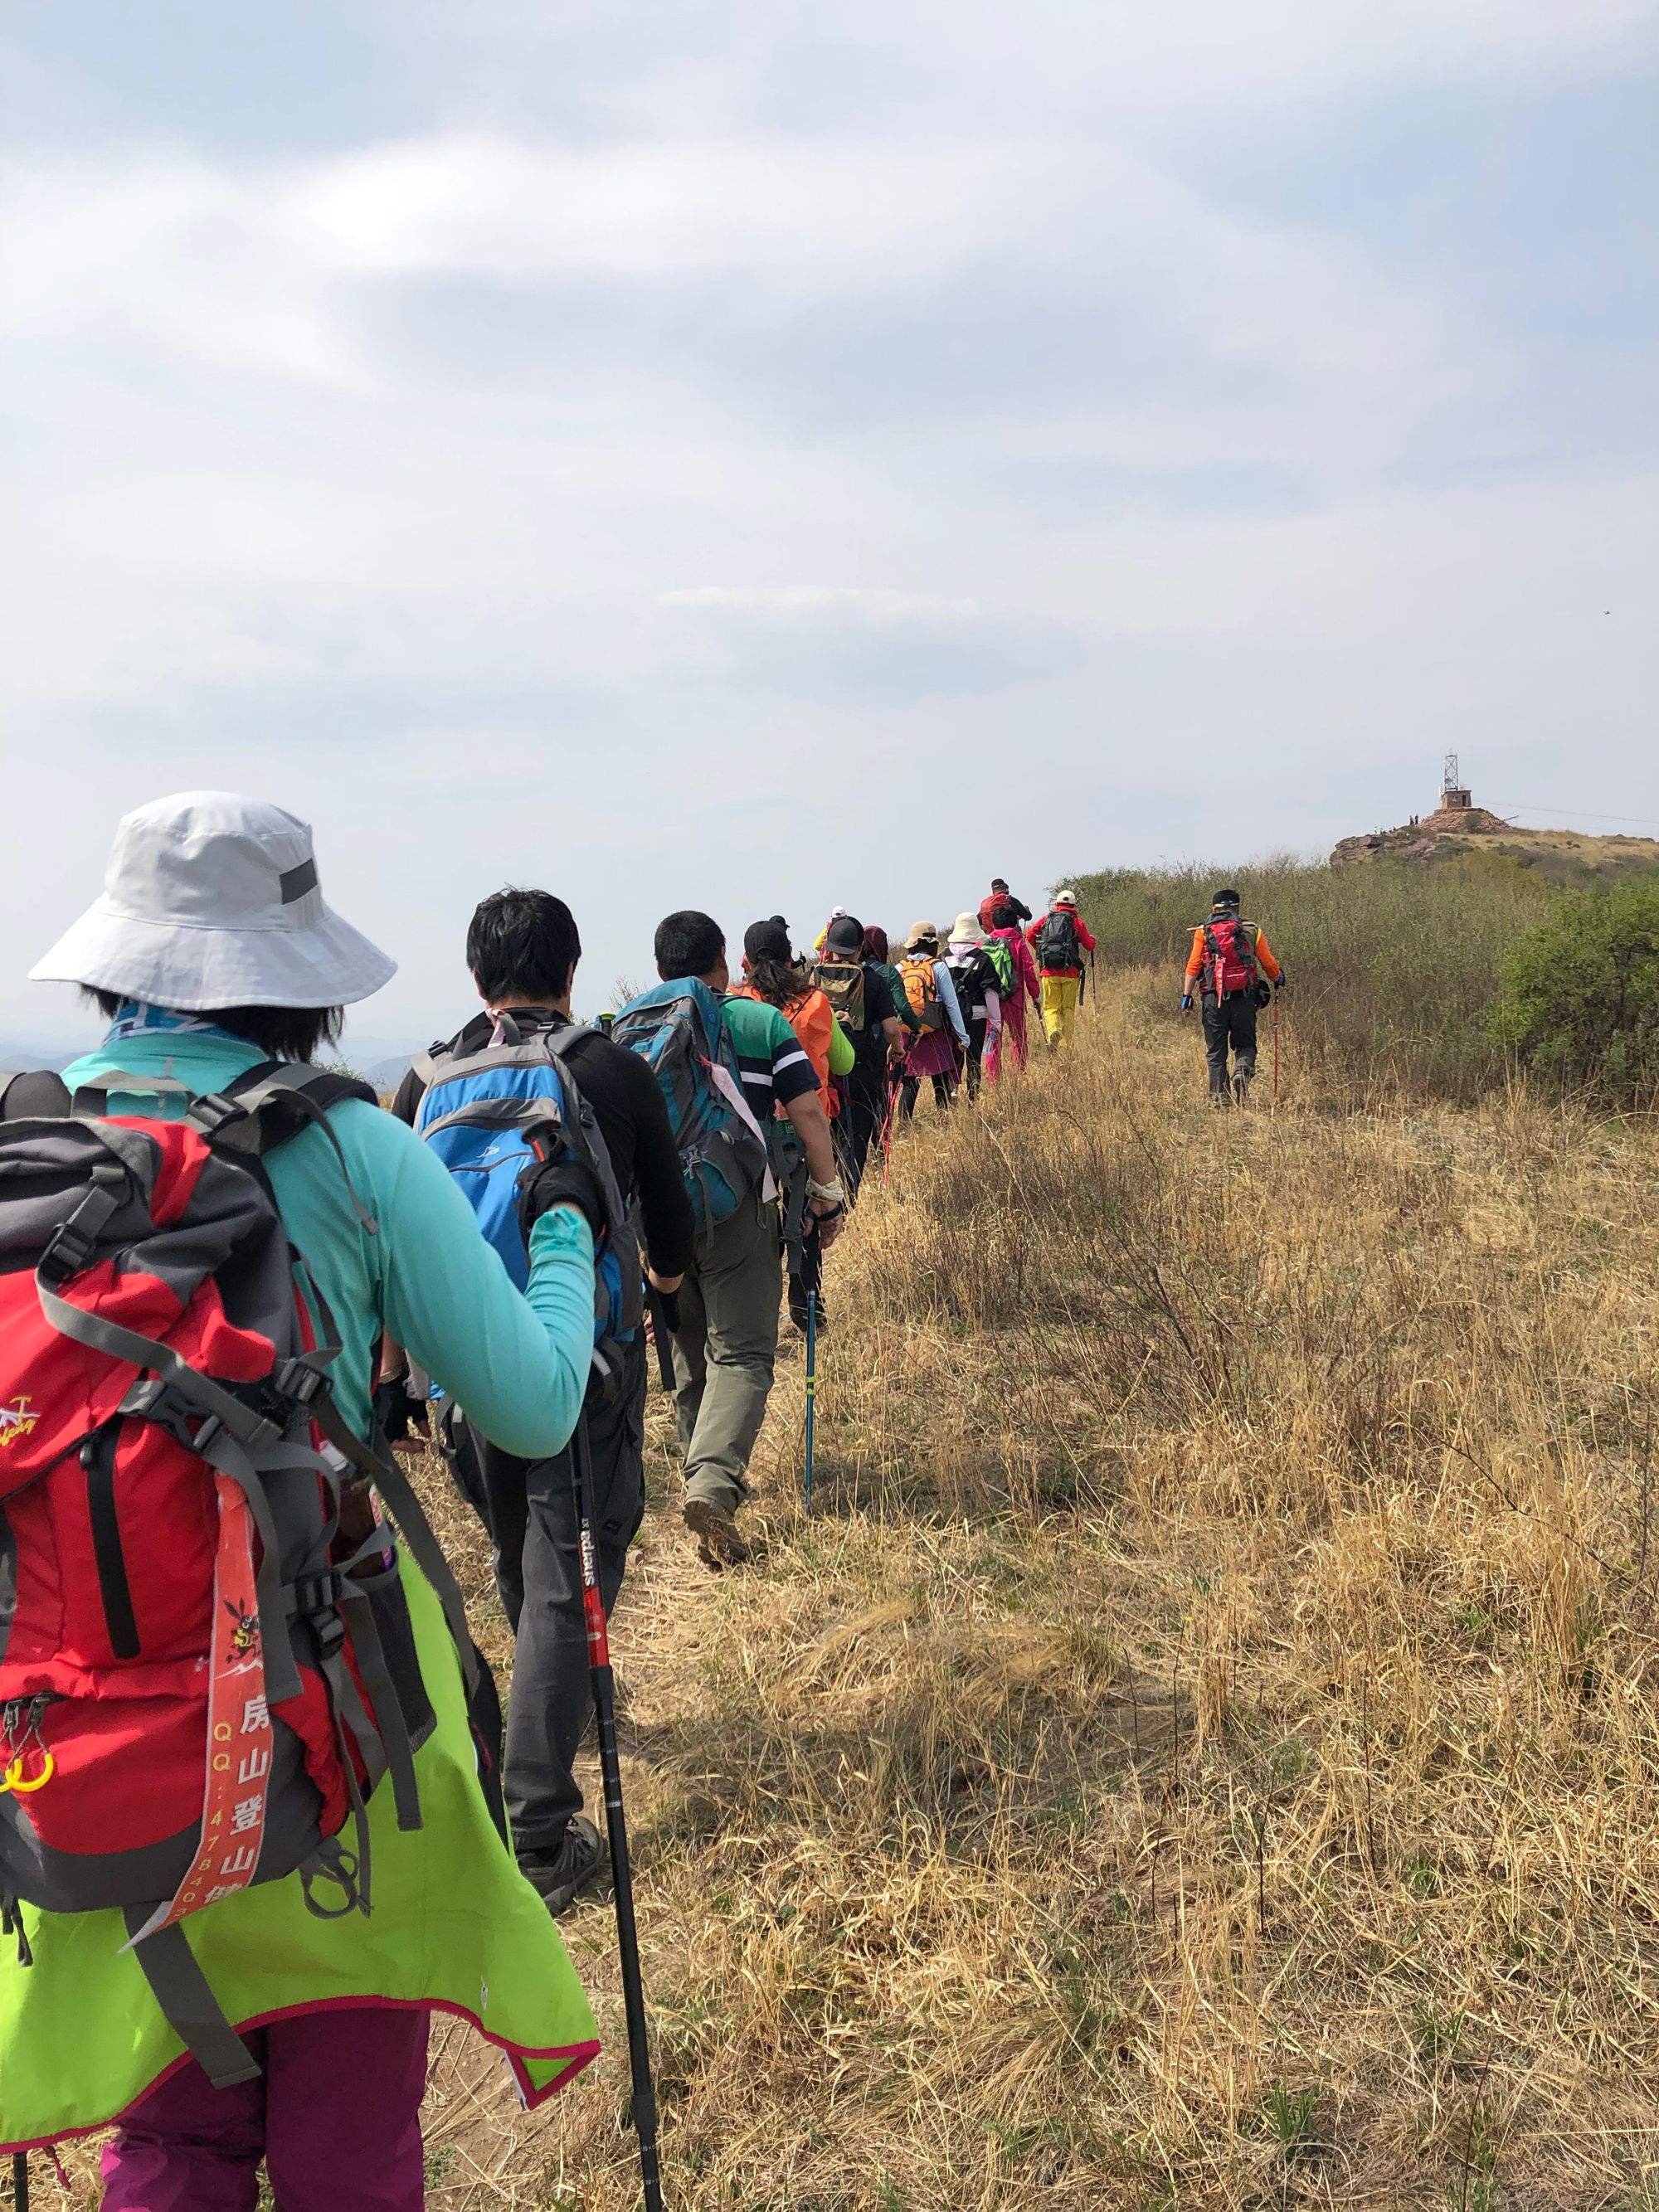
x=211 y=899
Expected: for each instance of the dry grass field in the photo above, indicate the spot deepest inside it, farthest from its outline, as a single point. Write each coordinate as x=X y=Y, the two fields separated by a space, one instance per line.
x=1201 y=1751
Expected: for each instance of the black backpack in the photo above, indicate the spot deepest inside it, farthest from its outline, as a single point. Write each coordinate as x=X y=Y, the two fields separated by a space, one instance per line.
x=1058 y=942
x=973 y=973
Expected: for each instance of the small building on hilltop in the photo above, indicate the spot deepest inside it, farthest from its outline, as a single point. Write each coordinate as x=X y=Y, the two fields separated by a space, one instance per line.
x=1457 y=810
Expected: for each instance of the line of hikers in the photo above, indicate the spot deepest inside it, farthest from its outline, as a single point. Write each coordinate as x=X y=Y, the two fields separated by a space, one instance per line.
x=231 y=1285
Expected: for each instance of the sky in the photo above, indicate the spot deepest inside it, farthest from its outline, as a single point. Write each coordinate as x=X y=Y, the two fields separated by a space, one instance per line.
x=767 y=457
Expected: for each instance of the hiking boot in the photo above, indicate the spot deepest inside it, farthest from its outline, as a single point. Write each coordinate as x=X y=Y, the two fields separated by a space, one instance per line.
x=559 y=1876
x=720 y=1541
x=1241 y=1089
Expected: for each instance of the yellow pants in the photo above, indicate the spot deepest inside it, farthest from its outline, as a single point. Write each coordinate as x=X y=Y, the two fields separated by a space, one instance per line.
x=1060 y=1007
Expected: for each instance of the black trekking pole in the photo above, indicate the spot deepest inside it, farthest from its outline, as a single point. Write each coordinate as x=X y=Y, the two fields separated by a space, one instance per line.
x=662 y=1331
x=811 y=1275
x=20 y=2180
x=644 y=2102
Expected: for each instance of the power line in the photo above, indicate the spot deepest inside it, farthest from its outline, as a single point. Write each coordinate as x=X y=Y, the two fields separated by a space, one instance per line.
x=1579 y=813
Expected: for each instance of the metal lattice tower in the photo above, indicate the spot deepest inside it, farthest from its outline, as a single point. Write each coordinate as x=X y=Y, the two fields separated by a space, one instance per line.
x=1450 y=779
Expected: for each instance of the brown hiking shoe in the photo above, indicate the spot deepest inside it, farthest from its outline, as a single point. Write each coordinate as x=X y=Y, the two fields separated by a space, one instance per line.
x=720 y=1541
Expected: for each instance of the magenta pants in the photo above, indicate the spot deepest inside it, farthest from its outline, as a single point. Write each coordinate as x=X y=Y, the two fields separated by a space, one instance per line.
x=336 y=2116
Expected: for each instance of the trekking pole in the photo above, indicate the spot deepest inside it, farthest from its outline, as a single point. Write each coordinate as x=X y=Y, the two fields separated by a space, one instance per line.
x=885 y=1138
x=664 y=1336
x=20 y=2180
x=1275 y=1048
x=644 y=2102
x=812 y=1275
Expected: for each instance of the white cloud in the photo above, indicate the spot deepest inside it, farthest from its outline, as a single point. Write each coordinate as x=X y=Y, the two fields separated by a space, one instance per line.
x=550 y=489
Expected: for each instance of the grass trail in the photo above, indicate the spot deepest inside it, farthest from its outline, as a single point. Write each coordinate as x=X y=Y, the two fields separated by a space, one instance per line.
x=1202 y=1754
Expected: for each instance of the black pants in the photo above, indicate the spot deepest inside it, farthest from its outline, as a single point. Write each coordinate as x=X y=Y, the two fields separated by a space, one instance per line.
x=865 y=1111
x=529 y=1507
x=943 y=1092
x=1230 y=1021
x=977 y=1025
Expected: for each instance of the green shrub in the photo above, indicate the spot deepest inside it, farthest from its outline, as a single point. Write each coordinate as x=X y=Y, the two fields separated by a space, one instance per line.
x=1394 y=967
x=1580 y=997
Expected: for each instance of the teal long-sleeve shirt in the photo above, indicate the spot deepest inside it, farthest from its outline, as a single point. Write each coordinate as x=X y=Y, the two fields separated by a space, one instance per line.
x=518 y=1362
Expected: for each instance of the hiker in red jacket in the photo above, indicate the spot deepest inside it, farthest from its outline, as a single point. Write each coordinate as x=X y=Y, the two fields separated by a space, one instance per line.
x=1059 y=938
x=1228 y=961
x=1000 y=895
x=1005 y=932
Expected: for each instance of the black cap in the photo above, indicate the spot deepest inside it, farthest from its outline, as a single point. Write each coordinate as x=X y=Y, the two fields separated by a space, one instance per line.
x=845 y=934
x=768 y=941
x=1226 y=898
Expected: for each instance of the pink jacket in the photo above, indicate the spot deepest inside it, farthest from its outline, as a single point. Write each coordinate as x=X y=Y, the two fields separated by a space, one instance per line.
x=1024 y=967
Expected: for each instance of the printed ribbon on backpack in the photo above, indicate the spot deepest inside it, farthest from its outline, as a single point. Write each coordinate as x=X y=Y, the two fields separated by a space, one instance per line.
x=239 y=1734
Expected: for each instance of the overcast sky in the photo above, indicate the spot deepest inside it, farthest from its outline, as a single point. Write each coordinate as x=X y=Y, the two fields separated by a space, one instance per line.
x=768 y=456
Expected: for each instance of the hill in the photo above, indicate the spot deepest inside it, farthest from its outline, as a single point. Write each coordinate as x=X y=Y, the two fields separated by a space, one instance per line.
x=1571 y=859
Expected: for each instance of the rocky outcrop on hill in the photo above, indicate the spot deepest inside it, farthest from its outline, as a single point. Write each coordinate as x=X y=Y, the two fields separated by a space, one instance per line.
x=1566 y=856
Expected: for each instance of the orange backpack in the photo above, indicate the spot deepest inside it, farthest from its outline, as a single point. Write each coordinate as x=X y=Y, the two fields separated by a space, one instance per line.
x=921 y=989
x=812 y=1020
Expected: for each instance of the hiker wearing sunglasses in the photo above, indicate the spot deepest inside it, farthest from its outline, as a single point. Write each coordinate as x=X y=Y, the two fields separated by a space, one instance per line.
x=522 y=952
x=268 y=2033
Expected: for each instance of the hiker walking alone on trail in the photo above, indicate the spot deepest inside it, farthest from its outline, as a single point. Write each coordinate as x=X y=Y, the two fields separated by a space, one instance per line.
x=522 y=949
x=1058 y=939
x=1000 y=895
x=1021 y=985
x=859 y=991
x=979 y=992
x=942 y=1033
x=1228 y=963
x=220 y=972
x=703 y=1045
x=772 y=975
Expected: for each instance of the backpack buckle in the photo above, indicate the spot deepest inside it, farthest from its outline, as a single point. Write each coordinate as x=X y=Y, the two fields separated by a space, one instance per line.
x=316 y=1600
x=74 y=1241
x=299 y=1380
x=71 y=1248
x=213 y=1113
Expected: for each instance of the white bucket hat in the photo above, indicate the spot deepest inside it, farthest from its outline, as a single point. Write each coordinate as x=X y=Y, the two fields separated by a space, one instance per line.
x=211 y=899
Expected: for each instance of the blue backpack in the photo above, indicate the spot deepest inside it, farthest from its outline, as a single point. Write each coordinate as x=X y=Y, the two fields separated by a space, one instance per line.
x=677 y=1031
x=493 y=1116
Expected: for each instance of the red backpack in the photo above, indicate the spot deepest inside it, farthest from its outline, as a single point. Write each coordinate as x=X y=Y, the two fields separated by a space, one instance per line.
x=1229 y=964
x=203 y=1674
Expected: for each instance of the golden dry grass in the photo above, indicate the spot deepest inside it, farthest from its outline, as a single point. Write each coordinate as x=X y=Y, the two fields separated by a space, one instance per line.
x=1202 y=1751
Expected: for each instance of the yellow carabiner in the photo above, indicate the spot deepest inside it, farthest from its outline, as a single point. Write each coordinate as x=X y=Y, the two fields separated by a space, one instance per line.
x=14 y=1779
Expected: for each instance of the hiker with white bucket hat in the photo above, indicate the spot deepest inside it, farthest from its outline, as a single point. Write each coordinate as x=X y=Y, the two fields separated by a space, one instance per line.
x=215 y=1968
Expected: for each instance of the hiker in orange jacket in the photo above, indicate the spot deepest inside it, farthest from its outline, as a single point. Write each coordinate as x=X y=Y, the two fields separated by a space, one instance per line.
x=1228 y=961
x=1059 y=938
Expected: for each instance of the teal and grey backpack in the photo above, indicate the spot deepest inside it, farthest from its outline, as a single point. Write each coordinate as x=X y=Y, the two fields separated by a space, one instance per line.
x=677 y=1030
x=493 y=1117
